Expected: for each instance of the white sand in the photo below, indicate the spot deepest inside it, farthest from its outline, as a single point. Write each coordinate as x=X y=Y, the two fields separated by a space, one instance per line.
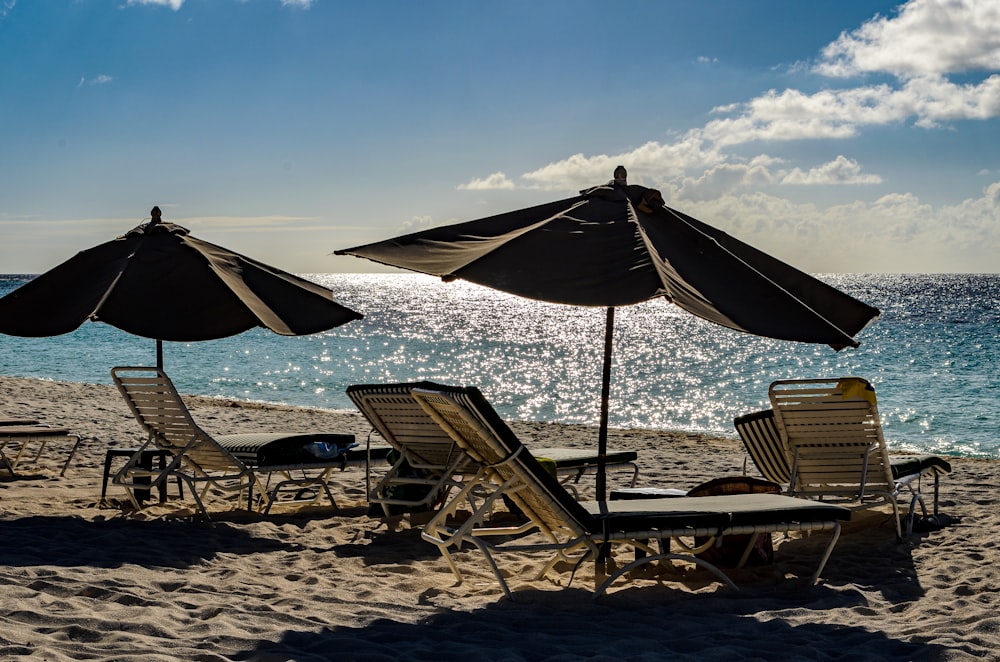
x=84 y=582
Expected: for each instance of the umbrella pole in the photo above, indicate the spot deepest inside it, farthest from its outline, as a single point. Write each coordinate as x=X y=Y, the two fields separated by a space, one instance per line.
x=602 y=433
x=601 y=560
x=159 y=354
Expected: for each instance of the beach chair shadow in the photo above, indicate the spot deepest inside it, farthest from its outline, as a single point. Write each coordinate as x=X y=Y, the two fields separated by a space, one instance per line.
x=567 y=625
x=571 y=531
x=405 y=547
x=111 y=543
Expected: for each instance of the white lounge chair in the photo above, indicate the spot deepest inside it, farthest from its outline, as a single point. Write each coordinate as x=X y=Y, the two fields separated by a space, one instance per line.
x=19 y=434
x=204 y=461
x=831 y=432
x=429 y=464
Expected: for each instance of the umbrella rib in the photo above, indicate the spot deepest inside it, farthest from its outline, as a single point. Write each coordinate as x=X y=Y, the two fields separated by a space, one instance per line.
x=108 y=292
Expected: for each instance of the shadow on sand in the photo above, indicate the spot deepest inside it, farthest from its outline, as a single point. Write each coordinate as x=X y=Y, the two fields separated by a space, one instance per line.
x=74 y=542
x=568 y=625
x=769 y=615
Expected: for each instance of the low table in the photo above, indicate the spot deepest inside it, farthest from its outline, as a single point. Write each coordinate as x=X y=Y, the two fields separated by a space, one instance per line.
x=146 y=462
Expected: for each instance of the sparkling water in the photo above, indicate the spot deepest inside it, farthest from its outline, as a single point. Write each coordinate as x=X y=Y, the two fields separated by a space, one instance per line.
x=932 y=357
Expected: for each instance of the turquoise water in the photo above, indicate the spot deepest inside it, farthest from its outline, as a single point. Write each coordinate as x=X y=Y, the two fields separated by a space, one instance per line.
x=932 y=356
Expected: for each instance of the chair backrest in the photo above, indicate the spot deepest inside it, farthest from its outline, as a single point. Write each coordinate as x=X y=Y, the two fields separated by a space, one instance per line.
x=158 y=407
x=765 y=446
x=406 y=426
x=473 y=423
x=834 y=436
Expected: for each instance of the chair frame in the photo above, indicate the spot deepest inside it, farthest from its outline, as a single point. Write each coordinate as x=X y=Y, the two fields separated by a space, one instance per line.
x=403 y=423
x=23 y=434
x=575 y=531
x=832 y=431
x=764 y=445
x=418 y=441
x=198 y=459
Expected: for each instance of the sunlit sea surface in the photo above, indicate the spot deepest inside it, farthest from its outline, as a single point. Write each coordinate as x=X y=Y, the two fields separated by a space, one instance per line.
x=932 y=356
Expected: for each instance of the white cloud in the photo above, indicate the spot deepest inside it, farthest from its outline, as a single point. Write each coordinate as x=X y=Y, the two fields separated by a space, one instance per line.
x=917 y=51
x=759 y=172
x=496 y=181
x=839 y=171
x=102 y=79
x=6 y=6
x=926 y=37
x=831 y=114
x=177 y=4
x=896 y=233
x=653 y=162
x=416 y=224
x=960 y=34
x=687 y=169
x=722 y=179
x=937 y=100
x=173 y=4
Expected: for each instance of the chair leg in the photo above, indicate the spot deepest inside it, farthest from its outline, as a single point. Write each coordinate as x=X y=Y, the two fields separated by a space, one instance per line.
x=72 y=452
x=108 y=457
x=936 y=484
x=700 y=562
x=826 y=553
x=5 y=463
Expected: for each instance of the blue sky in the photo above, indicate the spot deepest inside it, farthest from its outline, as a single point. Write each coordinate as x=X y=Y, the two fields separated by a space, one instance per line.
x=848 y=136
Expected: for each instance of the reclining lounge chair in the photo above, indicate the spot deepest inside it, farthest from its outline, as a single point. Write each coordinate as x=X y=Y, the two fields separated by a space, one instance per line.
x=7 y=420
x=823 y=439
x=573 y=531
x=19 y=434
x=429 y=464
x=232 y=463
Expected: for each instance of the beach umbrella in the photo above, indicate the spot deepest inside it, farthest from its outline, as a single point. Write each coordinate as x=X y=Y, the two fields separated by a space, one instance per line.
x=159 y=282
x=619 y=244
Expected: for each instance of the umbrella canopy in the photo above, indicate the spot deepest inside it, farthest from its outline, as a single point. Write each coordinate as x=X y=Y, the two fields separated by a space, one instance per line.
x=157 y=281
x=618 y=244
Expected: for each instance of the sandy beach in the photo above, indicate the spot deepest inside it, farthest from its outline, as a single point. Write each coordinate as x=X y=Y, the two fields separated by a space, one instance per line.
x=87 y=580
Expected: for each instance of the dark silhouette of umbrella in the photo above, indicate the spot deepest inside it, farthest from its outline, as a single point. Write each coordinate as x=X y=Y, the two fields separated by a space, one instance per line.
x=618 y=244
x=159 y=282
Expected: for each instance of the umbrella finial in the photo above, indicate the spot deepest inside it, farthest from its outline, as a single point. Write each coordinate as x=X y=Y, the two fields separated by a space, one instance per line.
x=154 y=215
x=621 y=175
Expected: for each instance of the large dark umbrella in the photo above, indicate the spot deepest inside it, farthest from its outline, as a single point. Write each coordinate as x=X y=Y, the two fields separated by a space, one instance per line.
x=618 y=244
x=159 y=282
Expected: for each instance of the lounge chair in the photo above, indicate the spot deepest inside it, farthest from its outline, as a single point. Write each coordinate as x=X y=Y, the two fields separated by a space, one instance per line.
x=764 y=445
x=428 y=463
x=232 y=463
x=768 y=452
x=17 y=421
x=573 y=531
x=21 y=433
x=5 y=463
x=823 y=438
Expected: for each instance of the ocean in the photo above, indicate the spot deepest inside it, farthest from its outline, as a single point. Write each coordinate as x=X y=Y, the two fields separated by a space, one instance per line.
x=932 y=357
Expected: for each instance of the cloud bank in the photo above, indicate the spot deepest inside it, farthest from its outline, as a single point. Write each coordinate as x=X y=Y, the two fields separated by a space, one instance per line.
x=934 y=61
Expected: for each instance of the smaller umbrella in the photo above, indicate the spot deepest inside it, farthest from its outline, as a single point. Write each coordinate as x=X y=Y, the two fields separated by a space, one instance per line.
x=159 y=282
